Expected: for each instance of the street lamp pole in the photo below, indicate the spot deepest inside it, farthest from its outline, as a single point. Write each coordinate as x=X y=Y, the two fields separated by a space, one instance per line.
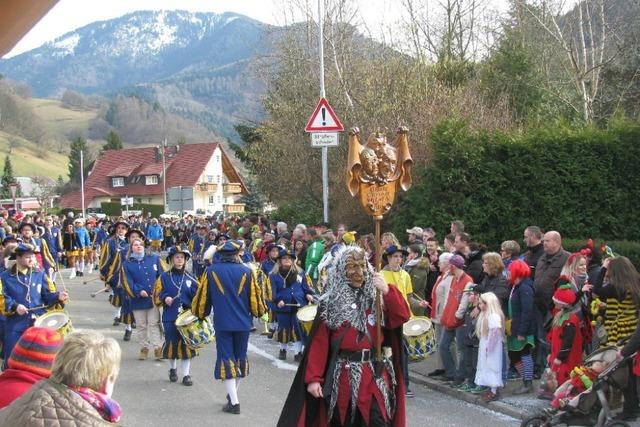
x=14 y=188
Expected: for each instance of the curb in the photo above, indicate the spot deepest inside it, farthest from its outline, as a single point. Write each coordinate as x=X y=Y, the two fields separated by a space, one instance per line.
x=498 y=406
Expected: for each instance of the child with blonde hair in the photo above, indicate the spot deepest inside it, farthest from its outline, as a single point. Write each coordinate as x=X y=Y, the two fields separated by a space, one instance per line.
x=490 y=330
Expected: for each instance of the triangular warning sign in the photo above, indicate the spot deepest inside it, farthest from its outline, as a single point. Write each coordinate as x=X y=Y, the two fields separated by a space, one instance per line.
x=324 y=119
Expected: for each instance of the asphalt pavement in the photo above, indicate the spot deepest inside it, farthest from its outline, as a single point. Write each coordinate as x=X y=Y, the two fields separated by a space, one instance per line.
x=149 y=399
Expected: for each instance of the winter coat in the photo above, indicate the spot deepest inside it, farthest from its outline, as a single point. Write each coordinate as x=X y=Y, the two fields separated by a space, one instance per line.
x=523 y=322
x=497 y=285
x=453 y=314
x=51 y=404
x=474 y=266
x=418 y=273
x=14 y=383
x=532 y=256
x=547 y=273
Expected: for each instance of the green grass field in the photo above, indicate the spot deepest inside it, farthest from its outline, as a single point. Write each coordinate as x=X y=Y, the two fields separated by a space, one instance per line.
x=30 y=160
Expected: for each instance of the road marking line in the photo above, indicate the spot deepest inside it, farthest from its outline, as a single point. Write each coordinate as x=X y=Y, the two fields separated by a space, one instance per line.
x=277 y=362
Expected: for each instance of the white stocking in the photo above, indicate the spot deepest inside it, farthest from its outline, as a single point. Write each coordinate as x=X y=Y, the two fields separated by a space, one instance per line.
x=173 y=363
x=232 y=391
x=186 y=367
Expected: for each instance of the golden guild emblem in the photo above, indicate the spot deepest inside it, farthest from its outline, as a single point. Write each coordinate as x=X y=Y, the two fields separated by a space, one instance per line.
x=376 y=169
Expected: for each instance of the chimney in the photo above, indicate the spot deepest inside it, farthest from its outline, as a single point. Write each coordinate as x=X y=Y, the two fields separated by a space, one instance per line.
x=158 y=154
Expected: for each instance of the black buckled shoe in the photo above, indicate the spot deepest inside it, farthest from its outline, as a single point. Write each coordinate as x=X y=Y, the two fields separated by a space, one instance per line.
x=282 y=355
x=173 y=375
x=186 y=380
x=297 y=357
x=116 y=321
x=231 y=409
x=127 y=335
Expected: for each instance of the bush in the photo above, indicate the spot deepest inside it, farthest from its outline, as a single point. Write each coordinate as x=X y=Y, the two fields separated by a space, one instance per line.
x=579 y=182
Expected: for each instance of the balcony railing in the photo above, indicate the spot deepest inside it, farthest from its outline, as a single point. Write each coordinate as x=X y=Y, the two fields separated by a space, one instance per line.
x=234 y=208
x=207 y=186
x=232 y=188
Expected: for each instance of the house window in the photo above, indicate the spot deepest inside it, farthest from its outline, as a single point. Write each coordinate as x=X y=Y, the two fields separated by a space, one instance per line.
x=211 y=201
x=210 y=179
x=117 y=182
x=151 y=179
x=219 y=199
x=218 y=178
x=217 y=158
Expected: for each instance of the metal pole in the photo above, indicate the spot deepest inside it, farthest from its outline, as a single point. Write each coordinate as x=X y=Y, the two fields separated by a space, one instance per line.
x=164 y=175
x=325 y=152
x=82 y=182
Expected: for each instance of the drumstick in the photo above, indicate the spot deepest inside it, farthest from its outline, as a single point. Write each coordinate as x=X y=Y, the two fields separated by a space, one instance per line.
x=293 y=305
x=93 y=294
x=84 y=282
x=37 y=307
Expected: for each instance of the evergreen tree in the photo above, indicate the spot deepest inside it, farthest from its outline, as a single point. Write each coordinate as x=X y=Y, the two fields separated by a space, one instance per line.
x=113 y=142
x=78 y=144
x=7 y=178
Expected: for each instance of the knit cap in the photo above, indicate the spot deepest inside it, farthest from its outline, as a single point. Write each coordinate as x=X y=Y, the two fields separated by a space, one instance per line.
x=35 y=351
x=564 y=294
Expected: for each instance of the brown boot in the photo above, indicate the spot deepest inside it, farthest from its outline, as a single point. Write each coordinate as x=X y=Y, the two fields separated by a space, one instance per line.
x=144 y=353
x=157 y=352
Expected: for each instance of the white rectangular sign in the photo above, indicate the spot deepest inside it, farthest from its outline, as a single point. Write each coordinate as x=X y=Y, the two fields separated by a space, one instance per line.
x=126 y=201
x=324 y=139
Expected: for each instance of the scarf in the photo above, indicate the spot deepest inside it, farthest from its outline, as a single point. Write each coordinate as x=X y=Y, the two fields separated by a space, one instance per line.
x=137 y=256
x=108 y=408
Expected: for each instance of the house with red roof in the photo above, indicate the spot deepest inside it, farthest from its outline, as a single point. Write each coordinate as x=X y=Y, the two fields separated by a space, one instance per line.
x=138 y=173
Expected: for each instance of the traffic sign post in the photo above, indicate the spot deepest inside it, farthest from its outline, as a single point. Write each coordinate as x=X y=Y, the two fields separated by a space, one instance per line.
x=323 y=119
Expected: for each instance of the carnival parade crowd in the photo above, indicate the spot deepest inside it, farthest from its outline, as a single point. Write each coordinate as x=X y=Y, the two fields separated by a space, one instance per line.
x=521 y=313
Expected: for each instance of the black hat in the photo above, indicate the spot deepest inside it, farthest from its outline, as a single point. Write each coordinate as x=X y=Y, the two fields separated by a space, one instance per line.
x=229 y=247
x=393 y=249
x=22 y=248
x=285 y=252
x=9 y=238
x=27 y=224
x=178 y=250
x=137 y=231
x=120 y=222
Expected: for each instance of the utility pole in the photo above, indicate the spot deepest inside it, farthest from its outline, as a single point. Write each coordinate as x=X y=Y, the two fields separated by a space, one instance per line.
x=164 y=175
x=84 y=215
x=325 y=150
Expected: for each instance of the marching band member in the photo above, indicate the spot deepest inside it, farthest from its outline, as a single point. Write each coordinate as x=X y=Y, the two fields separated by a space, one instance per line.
x=198 y=246
x=83 y=243
x=52 y=235
x=70 y=248
x=338 y=381
x=113 y=251
x=44 y=259
x=154 y=231
x=228 y=287
x=25 y=292
x=90 y=251
x=174 y=290
x=290 y=291
x=139 y=274
x=272 y=251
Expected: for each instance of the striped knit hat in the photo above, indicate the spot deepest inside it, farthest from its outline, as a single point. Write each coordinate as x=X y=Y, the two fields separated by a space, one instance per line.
x=35 y=351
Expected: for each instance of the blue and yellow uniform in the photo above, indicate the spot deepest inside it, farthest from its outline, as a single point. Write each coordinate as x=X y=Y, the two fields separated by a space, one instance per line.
x=53 y=237
x=113 y=251
x=29 y=287
x=139 y=275
x=292 y=289
x=182 y=287
x=231 y=289
x=198 y=246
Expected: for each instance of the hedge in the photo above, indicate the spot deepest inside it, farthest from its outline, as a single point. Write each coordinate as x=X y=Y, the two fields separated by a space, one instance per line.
x=580 y=182
x=115 y=209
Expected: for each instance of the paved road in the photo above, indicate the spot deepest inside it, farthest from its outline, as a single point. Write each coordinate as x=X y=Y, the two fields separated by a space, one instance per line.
x=149 y=399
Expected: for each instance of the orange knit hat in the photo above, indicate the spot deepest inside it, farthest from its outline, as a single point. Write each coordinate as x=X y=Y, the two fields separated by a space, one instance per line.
x=35 y=350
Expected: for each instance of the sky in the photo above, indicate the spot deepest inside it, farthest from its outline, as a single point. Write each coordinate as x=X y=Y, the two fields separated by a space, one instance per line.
x=68 y=15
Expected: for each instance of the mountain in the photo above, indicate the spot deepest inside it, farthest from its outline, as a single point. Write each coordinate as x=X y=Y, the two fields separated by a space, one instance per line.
x=195 y=64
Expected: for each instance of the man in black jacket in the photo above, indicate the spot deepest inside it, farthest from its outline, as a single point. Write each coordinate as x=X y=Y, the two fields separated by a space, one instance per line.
x=535 y=249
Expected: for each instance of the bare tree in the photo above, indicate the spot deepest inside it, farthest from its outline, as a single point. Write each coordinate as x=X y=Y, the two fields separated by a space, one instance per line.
x=445 y=30
x=583 y=35
x=44 y=190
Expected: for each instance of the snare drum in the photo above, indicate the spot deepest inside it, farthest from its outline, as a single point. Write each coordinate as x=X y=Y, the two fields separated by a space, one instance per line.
x=305 y=316
x=56 y=319
x=419 y=337
x=195 y=332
